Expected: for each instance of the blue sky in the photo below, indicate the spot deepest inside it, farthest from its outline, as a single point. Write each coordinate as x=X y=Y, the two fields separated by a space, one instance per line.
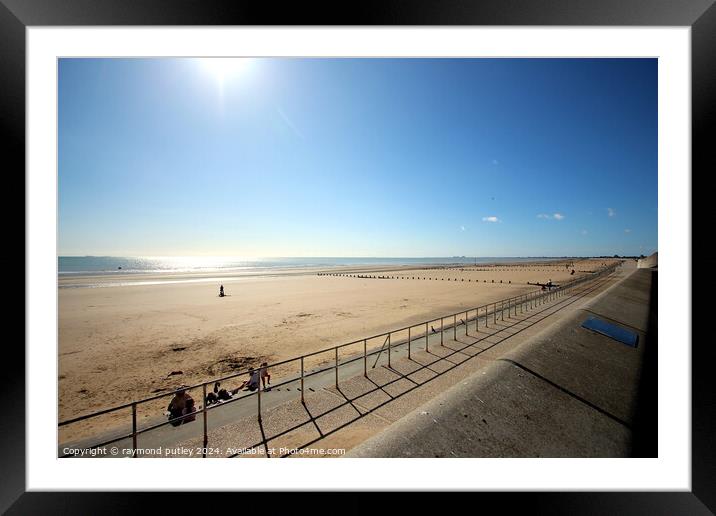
x=357 y=157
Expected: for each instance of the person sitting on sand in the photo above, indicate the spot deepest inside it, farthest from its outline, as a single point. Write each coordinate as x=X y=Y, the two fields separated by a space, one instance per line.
x=182 y=404
x=265 y=375
x=221 y=291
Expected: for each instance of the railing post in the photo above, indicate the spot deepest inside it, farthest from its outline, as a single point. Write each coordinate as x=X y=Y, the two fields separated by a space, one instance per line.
x=258 y=402
x=466 y=324
x=502 y=311
x=134 y=430
x=206 y=435
x=494 y=313
x=442 y=331
x=336 y=367
x=409 y=341
x=454 y=327
x=486 y=325
x=426 y=336
x=389 y=350
x=365 y=358
x=303 y=400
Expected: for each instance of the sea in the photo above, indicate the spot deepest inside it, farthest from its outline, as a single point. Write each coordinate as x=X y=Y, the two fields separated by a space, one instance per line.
x=99 y=265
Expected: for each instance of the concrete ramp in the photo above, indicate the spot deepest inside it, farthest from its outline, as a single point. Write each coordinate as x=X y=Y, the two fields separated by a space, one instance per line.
x=650 y=261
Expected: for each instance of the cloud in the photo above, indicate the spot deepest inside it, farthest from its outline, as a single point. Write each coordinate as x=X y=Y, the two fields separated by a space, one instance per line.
x=611 y=212
x=462 y=228
x=627 y=231
x=584 y=231
x=491 y=218
x=555 y=216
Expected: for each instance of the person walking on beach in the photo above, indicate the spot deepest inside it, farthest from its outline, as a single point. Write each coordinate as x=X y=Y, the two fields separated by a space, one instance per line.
x=265 y=376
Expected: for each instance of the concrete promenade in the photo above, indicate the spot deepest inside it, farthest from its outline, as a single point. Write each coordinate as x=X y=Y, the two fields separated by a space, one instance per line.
x=567 y=392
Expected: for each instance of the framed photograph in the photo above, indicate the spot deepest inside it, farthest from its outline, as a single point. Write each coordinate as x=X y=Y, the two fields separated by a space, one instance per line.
x=413 y=250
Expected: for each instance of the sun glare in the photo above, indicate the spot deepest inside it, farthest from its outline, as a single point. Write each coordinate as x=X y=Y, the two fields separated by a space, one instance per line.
x=225 y=68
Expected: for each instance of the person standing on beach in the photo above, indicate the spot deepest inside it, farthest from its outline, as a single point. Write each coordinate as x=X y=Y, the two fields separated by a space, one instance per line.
x=265 y=375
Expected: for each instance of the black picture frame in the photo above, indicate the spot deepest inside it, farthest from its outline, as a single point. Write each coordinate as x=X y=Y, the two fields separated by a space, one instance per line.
x=700 y=15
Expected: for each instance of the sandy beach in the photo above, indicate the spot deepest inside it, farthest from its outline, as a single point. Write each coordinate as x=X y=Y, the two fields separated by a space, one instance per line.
x=121 y=341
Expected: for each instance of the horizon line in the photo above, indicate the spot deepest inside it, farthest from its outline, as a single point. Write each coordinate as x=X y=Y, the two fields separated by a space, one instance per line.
x=327 y=256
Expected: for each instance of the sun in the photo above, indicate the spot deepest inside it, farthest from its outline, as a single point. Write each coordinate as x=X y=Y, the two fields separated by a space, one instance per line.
x=224 y=69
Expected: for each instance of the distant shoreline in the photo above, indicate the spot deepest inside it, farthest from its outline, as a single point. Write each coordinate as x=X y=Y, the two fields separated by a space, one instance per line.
x=125 y=277
x=74 y=265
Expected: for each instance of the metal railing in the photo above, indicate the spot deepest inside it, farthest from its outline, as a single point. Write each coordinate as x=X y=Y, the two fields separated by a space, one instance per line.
x=472 y=316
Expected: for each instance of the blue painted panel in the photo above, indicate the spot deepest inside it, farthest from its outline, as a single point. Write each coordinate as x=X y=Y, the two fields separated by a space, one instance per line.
x=612 y=330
